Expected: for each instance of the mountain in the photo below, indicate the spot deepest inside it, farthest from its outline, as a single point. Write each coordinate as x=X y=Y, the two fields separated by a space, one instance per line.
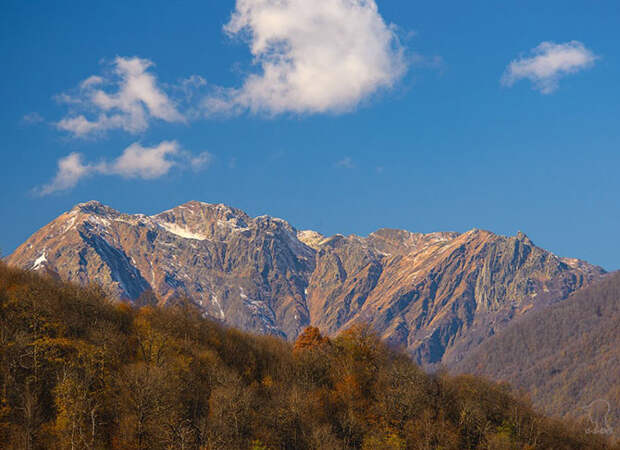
x=567 y=356
x=250 y=272
x=438 y=295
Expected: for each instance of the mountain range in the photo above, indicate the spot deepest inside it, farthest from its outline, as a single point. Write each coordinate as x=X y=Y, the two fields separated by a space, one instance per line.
x=437 y=295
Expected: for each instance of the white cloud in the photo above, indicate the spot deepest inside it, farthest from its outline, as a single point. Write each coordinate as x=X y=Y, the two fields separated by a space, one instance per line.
x=144 y=162
x=80 y=126
x=93 y=80
x=134 y=100
x=315 y=56
x=71 y=169
x=136 y=161
x=548 y=63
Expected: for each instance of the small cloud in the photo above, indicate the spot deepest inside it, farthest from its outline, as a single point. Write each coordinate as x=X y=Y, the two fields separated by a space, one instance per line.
x=190 y=85
x=136 y=161
x=143 y=162
x=186 y=94
x=380 y=169
x=200 y=161
x=232 y=163
x=345 y=163
x=80 y=126
x=71 y=169
x=548 y=63
x=132 y=102
x=320 y=56
x=32 y=118
x=91 y=81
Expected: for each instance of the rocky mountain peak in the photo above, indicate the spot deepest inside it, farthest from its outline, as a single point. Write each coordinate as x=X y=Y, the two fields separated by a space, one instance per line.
x=477 y=233
x=521 y=236
x=393 y=241
x=437 y=294
x=95 y=207
x=207 y=212
x=199 y=220
x=311 y=238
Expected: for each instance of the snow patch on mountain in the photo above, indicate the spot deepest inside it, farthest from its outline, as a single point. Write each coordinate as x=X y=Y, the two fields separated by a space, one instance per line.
x=181 y=232
x=216 y=302
x=233 y=223
x=39 y=261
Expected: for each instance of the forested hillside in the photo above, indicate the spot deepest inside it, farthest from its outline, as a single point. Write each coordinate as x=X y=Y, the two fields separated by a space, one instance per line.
x=566 y=356
x=79 y=371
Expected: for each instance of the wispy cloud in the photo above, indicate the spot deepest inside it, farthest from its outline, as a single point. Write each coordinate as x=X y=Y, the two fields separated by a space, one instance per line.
x=32 y=118
x=314 y=56
x=434 y=62
x=71 y=169
x=548 y=63
x=136 y=161
x=345 y=163
x=127 y=98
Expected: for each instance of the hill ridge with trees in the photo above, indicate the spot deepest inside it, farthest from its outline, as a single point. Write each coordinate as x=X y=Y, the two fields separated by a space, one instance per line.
x=80 y=371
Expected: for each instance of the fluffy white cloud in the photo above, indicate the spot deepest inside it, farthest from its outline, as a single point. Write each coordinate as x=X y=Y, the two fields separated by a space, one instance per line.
x=134 y=100
x=136 y=161
x=144 y=162
x=548 y=63
x=315 y=56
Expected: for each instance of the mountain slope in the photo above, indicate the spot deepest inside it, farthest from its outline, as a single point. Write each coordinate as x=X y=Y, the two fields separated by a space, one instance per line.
x=248 y=272
x=566 y=357
x=437 y=295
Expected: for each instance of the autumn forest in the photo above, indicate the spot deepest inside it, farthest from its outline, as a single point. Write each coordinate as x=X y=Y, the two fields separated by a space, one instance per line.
x=79 y=371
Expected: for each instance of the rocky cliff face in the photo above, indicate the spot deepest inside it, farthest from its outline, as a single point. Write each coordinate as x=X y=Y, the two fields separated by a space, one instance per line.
x=439 y=295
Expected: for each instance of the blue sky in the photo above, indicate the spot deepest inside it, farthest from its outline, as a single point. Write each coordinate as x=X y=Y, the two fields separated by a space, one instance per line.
x=428 y=132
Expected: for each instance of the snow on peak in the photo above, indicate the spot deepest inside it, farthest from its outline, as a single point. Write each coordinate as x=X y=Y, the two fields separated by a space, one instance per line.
x=311 y=238
x=181 y=232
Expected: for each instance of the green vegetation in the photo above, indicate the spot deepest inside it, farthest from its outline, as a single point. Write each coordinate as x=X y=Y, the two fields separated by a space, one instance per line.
x=78 y=371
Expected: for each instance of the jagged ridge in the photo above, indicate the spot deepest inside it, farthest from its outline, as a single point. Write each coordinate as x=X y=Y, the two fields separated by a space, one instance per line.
x=437 y=294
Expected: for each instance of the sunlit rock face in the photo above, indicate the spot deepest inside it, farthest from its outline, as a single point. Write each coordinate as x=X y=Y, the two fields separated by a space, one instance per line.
x=438 y=295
